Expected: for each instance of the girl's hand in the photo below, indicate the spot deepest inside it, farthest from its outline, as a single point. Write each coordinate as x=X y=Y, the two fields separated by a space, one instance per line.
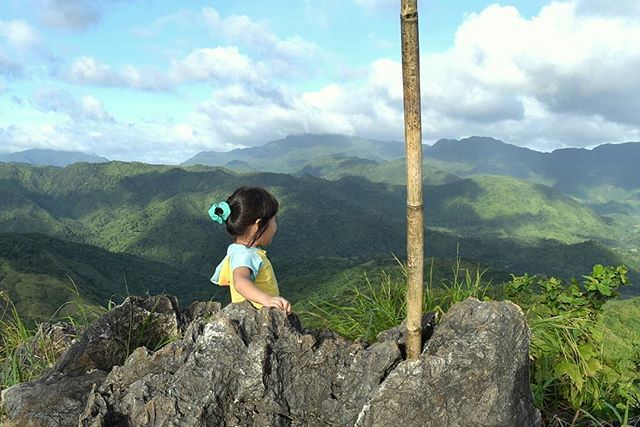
x=280 y=303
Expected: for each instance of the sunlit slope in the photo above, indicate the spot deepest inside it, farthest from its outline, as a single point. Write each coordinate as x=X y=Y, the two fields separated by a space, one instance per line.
x=514 y=208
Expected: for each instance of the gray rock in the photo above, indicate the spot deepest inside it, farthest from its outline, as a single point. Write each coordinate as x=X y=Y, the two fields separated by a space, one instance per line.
x=60 y=395
x=473 y=372
x=241 y=366
x=244 y=367
x=109 y=340
x=54 y=401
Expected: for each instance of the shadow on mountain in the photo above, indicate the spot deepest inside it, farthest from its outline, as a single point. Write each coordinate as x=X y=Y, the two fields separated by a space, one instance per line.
x=40 y=273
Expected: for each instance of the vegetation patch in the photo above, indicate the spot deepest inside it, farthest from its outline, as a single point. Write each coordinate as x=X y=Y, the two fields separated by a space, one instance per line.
x=585 y=344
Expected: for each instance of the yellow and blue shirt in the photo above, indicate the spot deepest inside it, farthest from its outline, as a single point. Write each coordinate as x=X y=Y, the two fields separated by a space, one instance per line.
x=255 y=259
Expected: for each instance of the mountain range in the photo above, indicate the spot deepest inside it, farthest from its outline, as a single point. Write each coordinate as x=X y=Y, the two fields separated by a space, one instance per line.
x=51 y=157
x=342 y=209
x=607 y=163
x=293 y=152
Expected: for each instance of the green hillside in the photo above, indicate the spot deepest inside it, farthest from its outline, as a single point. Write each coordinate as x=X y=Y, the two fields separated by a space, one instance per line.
x=391 y=172
x=577 y=170
x=39 y=273
x=155 y=211
x=501 y=206
x=571 y=170
x=157 y=214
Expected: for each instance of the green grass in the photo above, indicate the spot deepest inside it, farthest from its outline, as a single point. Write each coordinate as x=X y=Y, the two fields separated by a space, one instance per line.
x=25 y=352
x=377 y=303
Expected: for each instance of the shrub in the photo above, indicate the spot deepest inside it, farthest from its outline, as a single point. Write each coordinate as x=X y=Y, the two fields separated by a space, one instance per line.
x=570 y=368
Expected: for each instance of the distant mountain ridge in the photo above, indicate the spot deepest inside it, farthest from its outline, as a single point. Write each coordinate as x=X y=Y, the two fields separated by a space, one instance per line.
x=568 y=168
x=573 y=170
x=287 y=154
x=51 y=157
x=484 y=155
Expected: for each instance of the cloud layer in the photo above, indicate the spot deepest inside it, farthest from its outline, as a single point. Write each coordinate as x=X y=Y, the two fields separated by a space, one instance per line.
x=564 y=77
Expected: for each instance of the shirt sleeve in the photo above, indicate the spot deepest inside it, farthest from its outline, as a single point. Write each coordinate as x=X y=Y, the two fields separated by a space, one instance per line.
x=248 y=259
x=221 y=275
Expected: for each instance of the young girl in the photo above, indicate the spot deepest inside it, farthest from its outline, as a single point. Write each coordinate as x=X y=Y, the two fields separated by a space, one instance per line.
x=250 y=217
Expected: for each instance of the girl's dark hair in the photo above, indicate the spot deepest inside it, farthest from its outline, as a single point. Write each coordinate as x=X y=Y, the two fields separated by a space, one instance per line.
x=248 y=204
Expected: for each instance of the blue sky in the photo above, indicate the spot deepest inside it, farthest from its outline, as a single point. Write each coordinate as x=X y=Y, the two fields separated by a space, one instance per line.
x=159 y=81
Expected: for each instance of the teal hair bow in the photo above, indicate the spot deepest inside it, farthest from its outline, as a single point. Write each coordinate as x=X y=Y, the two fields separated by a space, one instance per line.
x=220 y=217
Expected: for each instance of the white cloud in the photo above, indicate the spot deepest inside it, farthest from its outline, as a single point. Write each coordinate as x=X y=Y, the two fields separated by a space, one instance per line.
x=217 y=64
x=145 y=78
x=619 y=8
x=94 y=110
x=86 y=108
x=572 y=64
x=220 y=64
x=565 y=77
x=19 y=34
x=183 y=132
x=557 y=79
x=243 y=116
x=42 y=135
x=242 y=29
x=21 y=39
x=284 y=56
x=326 y=98
x=9 y=67
x=151 y=143
x=244 y=50
x=87 y=70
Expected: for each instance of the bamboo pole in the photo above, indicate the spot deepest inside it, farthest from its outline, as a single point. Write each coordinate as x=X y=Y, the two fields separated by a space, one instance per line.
x=413 y=138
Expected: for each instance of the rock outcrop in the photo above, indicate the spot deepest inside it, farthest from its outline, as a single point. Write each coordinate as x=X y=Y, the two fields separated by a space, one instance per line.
x=60 y=395
x=240 y=366
x=474 y=372
x=244 y=367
